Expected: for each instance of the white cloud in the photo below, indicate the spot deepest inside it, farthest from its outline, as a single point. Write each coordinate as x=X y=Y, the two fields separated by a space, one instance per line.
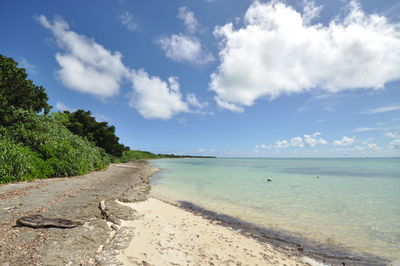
x=281 y=144
x=155 y=98
x=101 y=118
x=372 y=147
x=364 y=147
x=312 y=140
x=127 y=20
x=392 y=135
x=189 y=19
x=276 y=52
x=86 y=66
x=230 y=106
x=263 y=146
x=299 y=142
x=310 y=11
x=395 y=144
x=31 y=68
x=383 y=109
x=184 y=48
x=60 y=106
x=192 y=100
x=345 y=141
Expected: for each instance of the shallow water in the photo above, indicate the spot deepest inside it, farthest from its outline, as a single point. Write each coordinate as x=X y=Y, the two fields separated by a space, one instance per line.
x=354 y=203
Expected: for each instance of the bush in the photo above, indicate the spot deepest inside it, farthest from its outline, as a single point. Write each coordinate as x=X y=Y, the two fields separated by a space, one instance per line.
x=18 y=163
x=82 y=123
x=62 y=152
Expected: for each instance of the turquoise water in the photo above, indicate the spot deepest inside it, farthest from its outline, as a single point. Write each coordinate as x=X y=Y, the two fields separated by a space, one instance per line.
x=355 y=203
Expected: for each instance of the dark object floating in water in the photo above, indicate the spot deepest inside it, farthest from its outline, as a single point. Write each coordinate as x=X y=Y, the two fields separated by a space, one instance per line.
x=38 y=221
x=317 y=176
x=269 y=179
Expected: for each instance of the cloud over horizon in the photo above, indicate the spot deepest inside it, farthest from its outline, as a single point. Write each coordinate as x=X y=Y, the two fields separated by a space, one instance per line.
x=344 y=141
x=279 y=52
x=297 y=142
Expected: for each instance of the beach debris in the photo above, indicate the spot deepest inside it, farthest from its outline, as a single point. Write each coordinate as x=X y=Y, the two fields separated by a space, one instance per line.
x=105 y=214
x=39 y=221
x=114 y=227
x=269 y=179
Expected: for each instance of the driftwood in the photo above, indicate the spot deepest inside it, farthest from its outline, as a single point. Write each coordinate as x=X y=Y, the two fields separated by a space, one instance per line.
x=105 y=214
x=37 y=221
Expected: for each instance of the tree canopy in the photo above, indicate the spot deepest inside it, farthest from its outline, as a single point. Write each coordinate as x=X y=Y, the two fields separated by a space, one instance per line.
x=19 y=92
x=82 y=123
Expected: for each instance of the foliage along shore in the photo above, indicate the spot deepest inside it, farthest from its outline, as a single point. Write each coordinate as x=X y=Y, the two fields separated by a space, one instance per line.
x=35 y=143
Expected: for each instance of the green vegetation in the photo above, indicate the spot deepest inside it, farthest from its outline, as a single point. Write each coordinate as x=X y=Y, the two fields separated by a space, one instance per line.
x=18 y=162
x=52 y=150
x=84 y=124
x=18 y=92
x=34 y=144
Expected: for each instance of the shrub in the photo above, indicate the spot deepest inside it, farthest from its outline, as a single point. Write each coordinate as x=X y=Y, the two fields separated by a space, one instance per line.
x=18 y=163
x=64 y=153
x=82 y=123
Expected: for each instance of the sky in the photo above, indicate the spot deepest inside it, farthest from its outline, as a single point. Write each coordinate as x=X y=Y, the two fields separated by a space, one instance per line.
x=220 y=77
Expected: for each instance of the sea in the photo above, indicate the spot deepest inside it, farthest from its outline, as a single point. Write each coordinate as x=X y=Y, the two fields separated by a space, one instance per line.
x=352 y=204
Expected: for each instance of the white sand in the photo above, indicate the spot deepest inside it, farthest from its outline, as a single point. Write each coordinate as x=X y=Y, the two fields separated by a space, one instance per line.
x=168 y=235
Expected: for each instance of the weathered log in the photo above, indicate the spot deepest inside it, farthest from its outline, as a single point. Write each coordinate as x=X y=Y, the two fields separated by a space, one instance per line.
x=103 y=209
x=38 y=221
x=105 y=214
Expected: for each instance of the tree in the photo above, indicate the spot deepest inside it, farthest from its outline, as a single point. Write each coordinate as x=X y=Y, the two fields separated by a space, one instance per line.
x=19 y=92
x=82 y=123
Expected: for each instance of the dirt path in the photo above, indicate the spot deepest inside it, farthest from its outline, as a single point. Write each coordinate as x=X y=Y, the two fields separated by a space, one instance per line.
x=74 y=198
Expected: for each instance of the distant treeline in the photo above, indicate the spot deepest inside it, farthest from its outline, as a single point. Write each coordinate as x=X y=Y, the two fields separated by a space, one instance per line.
x=35 y=143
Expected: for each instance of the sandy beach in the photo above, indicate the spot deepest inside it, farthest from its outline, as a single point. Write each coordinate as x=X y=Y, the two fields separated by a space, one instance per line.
x=167 y=235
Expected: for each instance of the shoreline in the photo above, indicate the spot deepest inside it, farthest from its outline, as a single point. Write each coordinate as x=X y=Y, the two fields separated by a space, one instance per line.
x=98 y=242
x=168 y=235
x=283 y=241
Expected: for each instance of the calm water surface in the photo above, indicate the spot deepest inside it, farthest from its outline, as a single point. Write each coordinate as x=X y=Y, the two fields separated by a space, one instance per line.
x=354 y=203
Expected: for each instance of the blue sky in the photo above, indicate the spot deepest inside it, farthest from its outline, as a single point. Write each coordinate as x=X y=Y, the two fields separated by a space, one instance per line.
x=216 y=77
